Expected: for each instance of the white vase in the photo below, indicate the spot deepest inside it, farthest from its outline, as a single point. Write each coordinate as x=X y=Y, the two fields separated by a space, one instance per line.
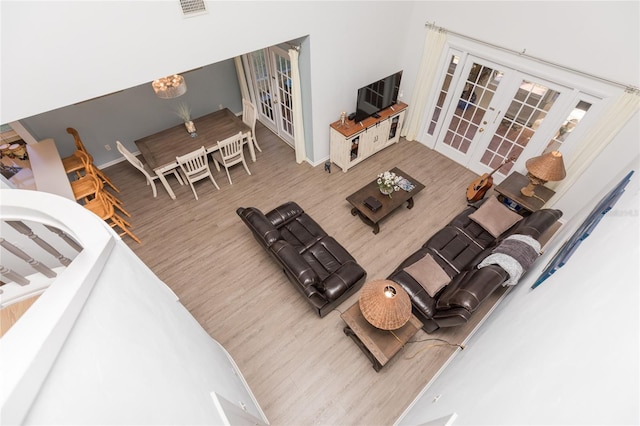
x=191 y=128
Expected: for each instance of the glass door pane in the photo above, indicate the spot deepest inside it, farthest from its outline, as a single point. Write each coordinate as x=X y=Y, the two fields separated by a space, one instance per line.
x=262 y=86
x=284 y=101
x=568 y=125
x=497 y=114
x=271 y=81
x=444 y=92
x=526 y=112
x=471 y=109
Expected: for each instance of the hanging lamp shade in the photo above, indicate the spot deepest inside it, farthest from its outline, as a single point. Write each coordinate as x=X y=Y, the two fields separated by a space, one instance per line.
x=169 y=87
x=385 y=304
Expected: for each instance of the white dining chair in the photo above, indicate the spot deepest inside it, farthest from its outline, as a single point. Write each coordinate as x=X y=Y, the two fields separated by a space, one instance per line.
x=195 y=167
x=146 y=171
x=230 y=153
x=249 y=117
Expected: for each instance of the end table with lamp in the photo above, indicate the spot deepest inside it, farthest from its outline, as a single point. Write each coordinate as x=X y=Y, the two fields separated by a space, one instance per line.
x=509 y=193
x=527 y=194
x=381 y=322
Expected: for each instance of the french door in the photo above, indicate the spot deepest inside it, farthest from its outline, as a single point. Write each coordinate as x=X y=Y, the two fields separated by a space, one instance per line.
x=270 y=70
x=487 y=114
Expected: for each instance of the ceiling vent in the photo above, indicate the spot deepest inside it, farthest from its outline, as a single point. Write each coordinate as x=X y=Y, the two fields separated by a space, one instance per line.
x=193 y=7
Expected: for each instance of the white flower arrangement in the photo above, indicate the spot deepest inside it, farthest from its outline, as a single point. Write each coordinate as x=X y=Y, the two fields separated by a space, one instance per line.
x=388 y=182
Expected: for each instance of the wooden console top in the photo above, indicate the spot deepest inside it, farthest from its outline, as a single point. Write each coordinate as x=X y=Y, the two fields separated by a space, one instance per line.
x=351 y=127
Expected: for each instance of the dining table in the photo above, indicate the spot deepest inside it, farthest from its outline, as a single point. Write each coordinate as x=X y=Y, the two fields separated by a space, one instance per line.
x=161 y=149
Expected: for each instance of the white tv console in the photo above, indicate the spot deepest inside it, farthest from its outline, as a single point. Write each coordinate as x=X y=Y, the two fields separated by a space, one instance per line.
x=353 y=142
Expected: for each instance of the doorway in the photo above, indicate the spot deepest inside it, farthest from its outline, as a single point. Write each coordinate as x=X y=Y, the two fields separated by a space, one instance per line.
x=270 y=84
x=490 y=116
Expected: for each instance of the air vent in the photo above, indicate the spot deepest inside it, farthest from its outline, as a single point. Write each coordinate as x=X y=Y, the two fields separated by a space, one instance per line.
x=192 y=7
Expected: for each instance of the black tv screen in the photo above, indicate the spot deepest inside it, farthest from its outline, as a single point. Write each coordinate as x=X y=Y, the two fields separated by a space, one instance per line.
x=377 y=96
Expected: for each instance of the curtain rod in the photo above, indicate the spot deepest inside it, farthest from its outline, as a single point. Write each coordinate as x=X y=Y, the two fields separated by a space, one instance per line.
x=628 y=88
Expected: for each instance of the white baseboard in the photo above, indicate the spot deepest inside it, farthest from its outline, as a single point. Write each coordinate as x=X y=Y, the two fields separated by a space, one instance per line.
x=116 y=161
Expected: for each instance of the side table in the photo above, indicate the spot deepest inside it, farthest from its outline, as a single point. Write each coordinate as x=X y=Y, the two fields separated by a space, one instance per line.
x=378 y=345
x=510 y=189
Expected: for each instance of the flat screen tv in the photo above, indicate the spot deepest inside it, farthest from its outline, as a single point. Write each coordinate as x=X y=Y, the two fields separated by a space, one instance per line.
x=377 y=96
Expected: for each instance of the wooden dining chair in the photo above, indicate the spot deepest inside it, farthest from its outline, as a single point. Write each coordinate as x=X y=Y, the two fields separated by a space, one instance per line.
x=249 y=117
x=80 y=147
x=230 y=153
x=102 y=207
x=146 y=171
x=73 y=164
x=195 y=167
x=85 y=187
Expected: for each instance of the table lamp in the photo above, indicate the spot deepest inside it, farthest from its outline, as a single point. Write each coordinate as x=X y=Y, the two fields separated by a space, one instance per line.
x=385 y=304
x=544 y=168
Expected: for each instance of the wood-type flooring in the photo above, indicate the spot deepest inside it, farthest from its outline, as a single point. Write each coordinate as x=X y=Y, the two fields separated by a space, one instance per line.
x=302 y=369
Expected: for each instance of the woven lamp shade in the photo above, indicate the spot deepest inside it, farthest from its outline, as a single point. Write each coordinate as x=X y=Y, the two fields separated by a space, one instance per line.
x=547 y=167
x=385 y=304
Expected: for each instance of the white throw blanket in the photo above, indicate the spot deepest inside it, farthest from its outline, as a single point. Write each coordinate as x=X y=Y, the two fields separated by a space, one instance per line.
x=508 y=263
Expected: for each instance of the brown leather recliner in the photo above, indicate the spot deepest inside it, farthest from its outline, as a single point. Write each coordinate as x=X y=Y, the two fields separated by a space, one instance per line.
x=458 y=248
x=318 y=266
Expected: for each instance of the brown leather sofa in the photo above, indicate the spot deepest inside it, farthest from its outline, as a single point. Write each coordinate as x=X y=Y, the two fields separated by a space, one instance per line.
x=458 y=248
x=318 y=266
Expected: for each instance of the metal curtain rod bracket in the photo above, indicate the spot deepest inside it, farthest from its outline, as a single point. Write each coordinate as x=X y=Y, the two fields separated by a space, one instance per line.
x=627 y=87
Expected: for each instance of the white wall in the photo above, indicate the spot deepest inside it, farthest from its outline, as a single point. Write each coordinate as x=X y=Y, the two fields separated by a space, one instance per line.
x=561 y=32
x=137 y=356
x=80 y=50
x=597 y=37
x=567 y=352
x=108 y=342
x=76 y=51
x=135 y=113
x=564 y=353
x=618 y=156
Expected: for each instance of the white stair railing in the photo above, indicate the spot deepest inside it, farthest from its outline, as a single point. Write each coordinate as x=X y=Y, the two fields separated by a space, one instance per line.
x=30 y=347
x=32 y=256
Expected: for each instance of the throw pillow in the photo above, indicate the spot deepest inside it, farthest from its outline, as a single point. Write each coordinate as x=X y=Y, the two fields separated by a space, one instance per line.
x=428 y=274
x=495 y=217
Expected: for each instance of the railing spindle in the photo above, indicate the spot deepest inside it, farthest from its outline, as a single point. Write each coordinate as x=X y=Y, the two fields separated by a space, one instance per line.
x=26 y=230
x=13 y=276
x=77 y=247
x=43 y=269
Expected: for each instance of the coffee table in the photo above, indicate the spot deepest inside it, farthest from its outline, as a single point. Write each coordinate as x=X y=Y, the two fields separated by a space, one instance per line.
x=389 y=204
x=378 y=345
